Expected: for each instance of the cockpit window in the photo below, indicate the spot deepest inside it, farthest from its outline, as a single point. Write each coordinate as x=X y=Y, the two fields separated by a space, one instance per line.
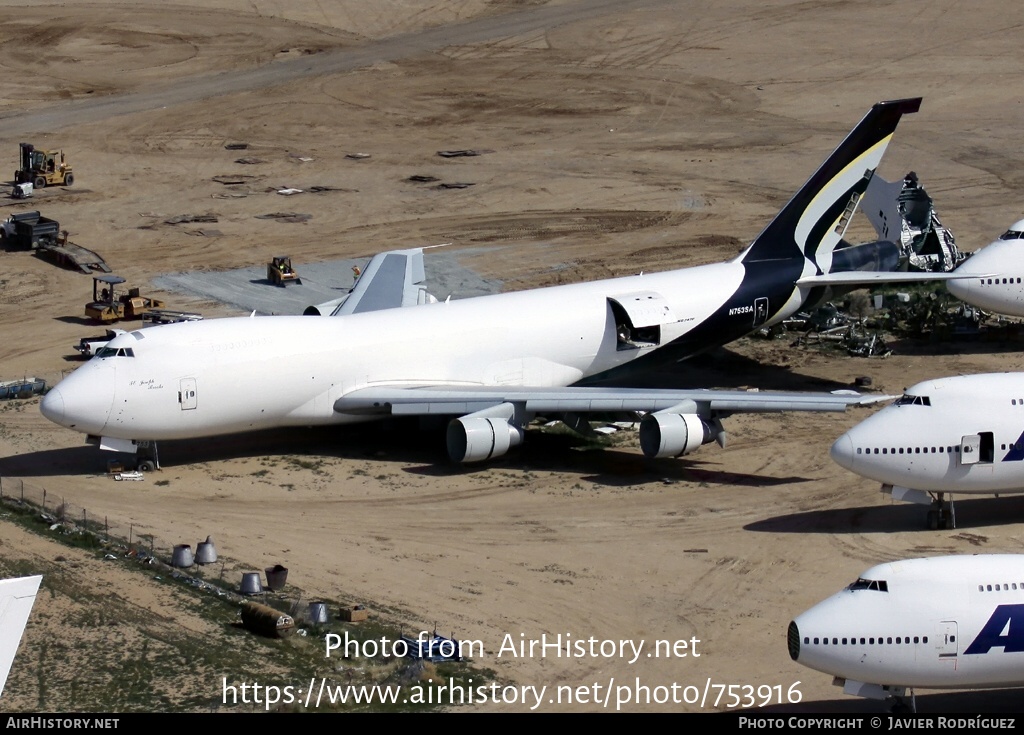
x=879 y=585
x=115 y=352
x=908 y=400
x=1012 y=235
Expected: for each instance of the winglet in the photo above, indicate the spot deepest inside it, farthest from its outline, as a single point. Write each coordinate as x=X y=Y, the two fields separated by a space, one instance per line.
x=16 y=599
x=811 y=224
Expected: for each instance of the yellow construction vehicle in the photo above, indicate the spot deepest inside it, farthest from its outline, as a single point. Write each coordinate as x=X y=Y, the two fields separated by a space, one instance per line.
x=43 y=168
x=281 y=273
x=110 y=305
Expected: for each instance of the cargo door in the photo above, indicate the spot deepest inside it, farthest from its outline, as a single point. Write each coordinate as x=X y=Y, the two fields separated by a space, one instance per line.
x=638 y=318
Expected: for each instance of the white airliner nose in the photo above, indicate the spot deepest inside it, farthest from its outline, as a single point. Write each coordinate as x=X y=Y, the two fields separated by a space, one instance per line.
x=53 y=406
x=75 y=408
x=842 y=451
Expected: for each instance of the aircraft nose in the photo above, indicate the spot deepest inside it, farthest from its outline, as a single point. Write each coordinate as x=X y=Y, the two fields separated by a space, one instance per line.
x=75 y=404
x=842 y=452
x=53 y=406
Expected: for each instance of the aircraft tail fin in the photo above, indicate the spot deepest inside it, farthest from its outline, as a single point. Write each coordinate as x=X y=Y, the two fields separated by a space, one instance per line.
x=16 y=599
x=812 y=224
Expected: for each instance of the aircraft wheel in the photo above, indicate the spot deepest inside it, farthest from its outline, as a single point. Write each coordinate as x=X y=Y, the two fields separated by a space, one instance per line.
x=933 y=520
x=147 y=465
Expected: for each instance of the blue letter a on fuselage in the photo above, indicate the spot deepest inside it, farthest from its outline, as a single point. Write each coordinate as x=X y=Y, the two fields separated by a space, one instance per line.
x=1005 y=629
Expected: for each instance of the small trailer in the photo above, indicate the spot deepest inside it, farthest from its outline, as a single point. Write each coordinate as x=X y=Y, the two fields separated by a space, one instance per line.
x=169 y=316
x=28 y=231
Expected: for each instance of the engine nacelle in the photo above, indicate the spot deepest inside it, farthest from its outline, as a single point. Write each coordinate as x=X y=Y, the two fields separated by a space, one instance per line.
x=483 y=435
x=672 y=434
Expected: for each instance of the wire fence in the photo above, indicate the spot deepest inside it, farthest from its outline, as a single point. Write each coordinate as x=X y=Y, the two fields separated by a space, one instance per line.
x=71 y=518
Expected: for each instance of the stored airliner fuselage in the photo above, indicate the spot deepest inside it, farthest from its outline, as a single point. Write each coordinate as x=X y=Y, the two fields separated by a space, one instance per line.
x=962 y=434
x=241 y=374
x=493 y=362
x=998 y=270
x=954 y=622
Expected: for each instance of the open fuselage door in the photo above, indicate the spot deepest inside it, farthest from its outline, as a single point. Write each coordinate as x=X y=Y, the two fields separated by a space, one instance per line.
x=978 y=448
x=638 y=319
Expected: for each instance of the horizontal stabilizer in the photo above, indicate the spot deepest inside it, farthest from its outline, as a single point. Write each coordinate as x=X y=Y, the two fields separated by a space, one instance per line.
x=870 y=278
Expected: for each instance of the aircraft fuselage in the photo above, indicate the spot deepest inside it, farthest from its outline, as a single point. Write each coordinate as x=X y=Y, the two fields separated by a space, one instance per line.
x=999 y=284
x=962 y=434
x=942 y=622
x=241 y=374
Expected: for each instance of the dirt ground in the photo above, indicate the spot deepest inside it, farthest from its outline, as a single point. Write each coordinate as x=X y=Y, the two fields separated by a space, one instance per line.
x=626 y=136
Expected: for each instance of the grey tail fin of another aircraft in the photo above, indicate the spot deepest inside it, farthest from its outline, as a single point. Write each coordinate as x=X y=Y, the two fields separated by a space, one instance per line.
x=16 y=599
x=812 y=224
x=390 y=280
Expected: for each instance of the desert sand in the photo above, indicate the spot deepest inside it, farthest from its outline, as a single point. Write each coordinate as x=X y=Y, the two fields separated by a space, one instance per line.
x=626 y=136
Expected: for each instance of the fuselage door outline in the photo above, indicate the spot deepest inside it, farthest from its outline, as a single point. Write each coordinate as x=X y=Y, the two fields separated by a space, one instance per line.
x=187 y=394
x=947 y=644
x=760 y=310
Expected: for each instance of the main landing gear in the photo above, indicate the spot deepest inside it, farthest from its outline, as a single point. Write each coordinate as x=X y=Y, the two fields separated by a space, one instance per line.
x=900 y=706
x=941 y=514
x=147 y=457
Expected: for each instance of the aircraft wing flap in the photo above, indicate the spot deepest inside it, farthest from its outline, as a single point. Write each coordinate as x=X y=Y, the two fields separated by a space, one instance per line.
x=454 y=400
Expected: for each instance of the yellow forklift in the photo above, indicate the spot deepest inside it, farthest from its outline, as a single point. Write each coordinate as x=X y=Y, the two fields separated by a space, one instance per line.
x=43 y=168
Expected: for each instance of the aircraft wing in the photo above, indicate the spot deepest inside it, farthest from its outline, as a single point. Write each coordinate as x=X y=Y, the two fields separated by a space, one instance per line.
x=419 y=401
x=390 y=280
x=16 y=599
x=491 y=419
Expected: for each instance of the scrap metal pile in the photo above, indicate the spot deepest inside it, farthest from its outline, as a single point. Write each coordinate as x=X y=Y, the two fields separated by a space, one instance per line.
x=862 y=324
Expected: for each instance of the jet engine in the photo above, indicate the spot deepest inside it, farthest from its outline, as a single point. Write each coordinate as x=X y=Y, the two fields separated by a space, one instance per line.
x=676 y=431
x=484 y=435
